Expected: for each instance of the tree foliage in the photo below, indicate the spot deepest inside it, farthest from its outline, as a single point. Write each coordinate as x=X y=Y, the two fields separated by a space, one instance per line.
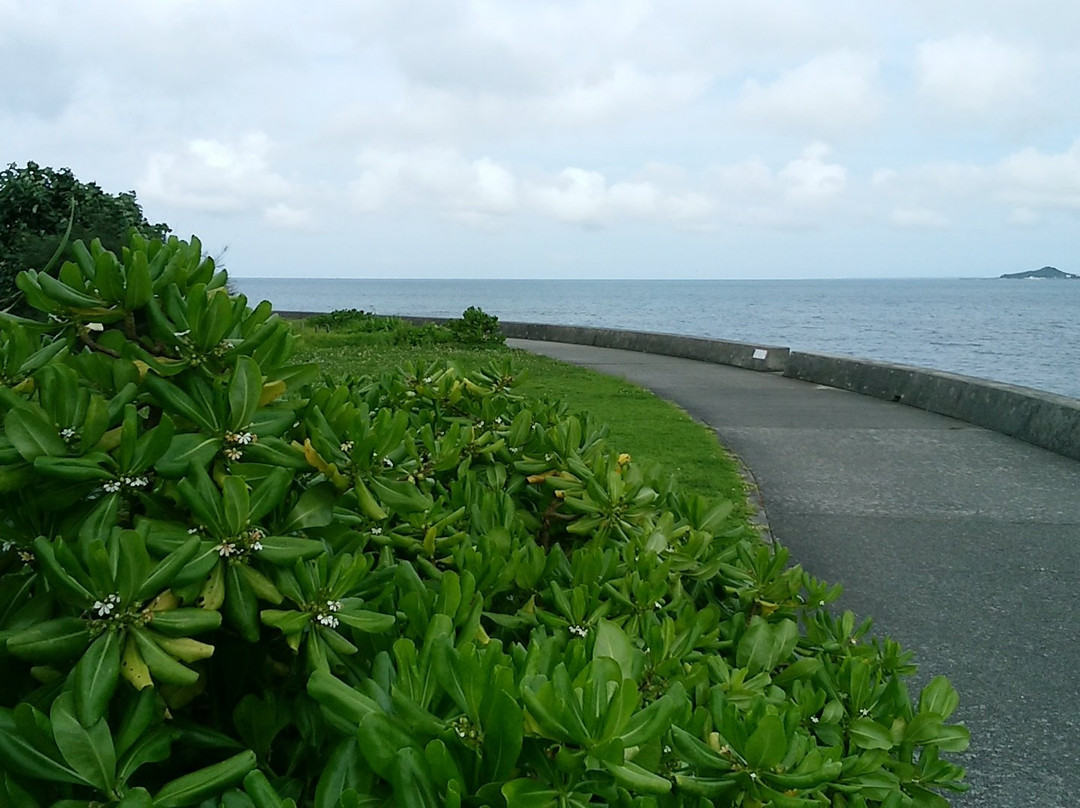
x=35 y=208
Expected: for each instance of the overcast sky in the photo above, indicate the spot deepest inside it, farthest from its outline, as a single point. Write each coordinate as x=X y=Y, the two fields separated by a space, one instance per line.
x=616 y=138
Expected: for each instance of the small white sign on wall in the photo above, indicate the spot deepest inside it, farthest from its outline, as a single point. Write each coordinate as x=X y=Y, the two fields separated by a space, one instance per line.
x=760 y=353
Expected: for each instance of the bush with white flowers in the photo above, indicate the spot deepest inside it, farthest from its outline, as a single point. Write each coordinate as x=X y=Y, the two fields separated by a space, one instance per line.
x=224 y=582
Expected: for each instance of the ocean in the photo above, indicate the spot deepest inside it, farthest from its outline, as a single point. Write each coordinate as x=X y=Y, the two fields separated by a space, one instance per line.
x=1020 y=332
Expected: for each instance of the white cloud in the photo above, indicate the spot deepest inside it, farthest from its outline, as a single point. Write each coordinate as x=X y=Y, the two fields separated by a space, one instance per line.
x=977 y=77
x=433 y=178
x=1028 y=181
x=809 y=180
x=1033 y=179
x=618 y=94
x=833 y=95
x=922 y=186
x=477 y=191
x=622 y=93
x=576 y=195
x=224 y=176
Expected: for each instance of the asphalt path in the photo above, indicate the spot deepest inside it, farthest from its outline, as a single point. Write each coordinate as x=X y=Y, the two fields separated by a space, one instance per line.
x=961 y=543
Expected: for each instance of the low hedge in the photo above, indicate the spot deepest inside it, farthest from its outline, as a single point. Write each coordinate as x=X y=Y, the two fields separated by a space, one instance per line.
x=224 y=582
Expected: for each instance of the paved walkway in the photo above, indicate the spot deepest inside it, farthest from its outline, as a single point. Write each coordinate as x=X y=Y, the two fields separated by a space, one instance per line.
x=963 y=544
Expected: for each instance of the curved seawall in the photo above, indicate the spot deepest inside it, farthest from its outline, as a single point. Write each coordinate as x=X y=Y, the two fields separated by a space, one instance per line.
x=1044 y=419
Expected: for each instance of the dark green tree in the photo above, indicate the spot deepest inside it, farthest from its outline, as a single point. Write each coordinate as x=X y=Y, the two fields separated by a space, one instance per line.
x=35 y=209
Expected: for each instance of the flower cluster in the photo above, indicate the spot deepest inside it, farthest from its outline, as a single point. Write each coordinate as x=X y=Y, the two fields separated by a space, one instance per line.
x=325 y=614
x=128 y=481
x=234 y=441
x=466 y=730
x=104 y=609
x=249 y=542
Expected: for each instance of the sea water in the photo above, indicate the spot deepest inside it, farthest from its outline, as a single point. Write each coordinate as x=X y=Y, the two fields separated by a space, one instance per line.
x=1020 y=332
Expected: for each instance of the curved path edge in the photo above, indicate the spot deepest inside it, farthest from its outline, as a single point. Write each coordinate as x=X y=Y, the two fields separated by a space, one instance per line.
x=961 y=542
x=1045 y=419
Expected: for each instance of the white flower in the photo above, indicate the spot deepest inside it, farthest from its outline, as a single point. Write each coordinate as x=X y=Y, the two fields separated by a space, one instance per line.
x=347 y=446
x=257 y=546
x=580 y=631
x=68 y=434
x=112 y=486
x=327 y=620
x=333 y=605
x=26 y=556
x=192 y=531
x=427 y=380
x=386 y=461
x=227 y=549
x=232 y=453
x=183 y=333
x=95 y=327
x=376 y=531
x=7 y=545
x=106 y=607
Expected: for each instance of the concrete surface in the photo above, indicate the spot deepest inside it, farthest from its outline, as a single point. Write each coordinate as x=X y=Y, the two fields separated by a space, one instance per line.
x=963 y=545
x=1045 y=419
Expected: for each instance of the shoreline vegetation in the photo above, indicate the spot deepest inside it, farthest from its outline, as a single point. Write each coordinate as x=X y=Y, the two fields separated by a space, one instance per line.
x=406 y=574
x=640 y=423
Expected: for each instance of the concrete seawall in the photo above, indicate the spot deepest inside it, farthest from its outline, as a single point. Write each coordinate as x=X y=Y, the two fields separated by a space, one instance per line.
x=1043 y=419
x=720 y=352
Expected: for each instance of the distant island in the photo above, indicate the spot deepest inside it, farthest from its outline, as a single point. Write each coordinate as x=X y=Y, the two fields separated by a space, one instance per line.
x=1051 y=273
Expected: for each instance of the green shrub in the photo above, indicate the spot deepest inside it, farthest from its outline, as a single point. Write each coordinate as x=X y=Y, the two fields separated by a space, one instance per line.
x=36 y=205
x=476 y=327
x=353 y=321
x=222 y=584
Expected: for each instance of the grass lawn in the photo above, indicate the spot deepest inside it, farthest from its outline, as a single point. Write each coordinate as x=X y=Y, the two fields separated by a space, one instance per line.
x=640 y=423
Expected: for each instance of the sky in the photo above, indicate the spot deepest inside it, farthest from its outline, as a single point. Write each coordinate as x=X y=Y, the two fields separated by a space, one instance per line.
x=558 y=139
